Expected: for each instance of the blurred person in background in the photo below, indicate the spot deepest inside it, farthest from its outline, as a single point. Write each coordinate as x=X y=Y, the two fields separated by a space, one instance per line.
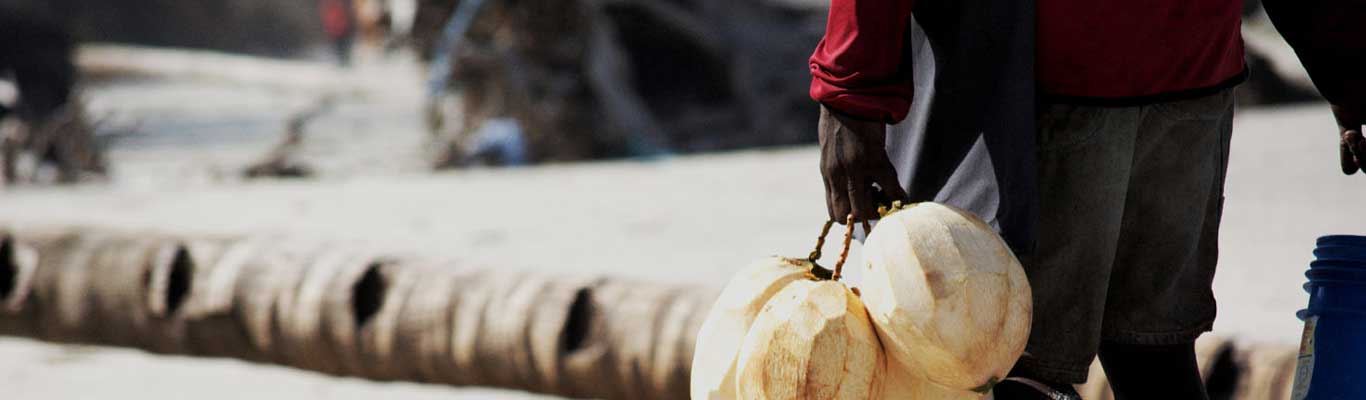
x=339 y=22
x=402 y=14
x=36 y=55
x=384 y=24
x=1094 y=135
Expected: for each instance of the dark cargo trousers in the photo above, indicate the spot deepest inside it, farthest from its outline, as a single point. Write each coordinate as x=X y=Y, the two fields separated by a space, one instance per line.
x=1130 y=201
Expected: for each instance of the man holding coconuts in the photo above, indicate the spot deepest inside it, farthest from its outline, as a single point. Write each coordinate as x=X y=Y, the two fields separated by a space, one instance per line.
x=1092 y=135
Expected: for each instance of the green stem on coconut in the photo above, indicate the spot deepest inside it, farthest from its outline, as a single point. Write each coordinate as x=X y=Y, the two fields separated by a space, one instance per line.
x=884 y=211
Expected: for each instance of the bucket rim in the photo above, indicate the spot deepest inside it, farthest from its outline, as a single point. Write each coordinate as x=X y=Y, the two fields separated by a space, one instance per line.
x=1336 y=259
x=1335 y=273
x=1315 y=283
x=1335 y=282
x=1338 y=271
x=1336 y=263
x=1350 y=240
x=1339 y=247
x=1327 y=311
x=1339 y=250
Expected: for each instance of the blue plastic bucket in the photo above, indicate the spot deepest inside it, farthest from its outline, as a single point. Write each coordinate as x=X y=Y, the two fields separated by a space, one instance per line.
x=1332 y=361
x=1332 y=263
x=1334 y=251
x=1335 y=272
x=1343 y=240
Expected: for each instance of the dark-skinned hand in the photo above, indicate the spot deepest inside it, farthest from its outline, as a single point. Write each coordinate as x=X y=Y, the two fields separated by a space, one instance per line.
x=1353 y=148
x=858 y=175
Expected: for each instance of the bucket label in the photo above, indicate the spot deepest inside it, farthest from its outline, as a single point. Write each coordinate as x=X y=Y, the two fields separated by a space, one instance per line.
x=1304 y=371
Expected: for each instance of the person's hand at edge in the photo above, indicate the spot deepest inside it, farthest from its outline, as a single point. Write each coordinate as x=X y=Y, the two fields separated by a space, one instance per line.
x=857 y=173
x=1352 y=149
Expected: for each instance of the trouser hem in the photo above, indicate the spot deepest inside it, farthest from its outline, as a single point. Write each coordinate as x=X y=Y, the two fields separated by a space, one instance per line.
x=1058 y=373
x=1156 y=338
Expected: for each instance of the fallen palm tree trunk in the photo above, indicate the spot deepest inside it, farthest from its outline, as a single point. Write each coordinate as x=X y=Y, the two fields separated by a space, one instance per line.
x=352 y=312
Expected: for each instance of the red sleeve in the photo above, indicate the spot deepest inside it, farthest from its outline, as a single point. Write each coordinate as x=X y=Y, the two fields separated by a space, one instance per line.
x=860 y=68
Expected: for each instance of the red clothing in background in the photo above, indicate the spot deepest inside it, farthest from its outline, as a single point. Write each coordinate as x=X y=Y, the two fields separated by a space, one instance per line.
x=336 y=17
x=1088 y=50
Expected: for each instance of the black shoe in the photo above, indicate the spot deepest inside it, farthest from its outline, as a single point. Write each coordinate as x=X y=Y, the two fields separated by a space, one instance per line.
x=1020 y=388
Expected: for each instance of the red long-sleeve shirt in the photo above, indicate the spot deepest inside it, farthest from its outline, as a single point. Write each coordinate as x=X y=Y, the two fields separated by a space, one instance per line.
x=1101 y=50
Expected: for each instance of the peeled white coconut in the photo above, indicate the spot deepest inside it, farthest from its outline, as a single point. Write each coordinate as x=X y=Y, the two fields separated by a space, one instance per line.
x=948 y=299
x=812 y=341
x=719 y=340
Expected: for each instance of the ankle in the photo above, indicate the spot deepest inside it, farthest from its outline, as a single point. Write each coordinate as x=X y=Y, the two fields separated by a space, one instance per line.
x=1152 y=371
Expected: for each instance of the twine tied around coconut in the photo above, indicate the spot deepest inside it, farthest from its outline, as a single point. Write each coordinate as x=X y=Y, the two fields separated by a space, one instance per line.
x=822 y=273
